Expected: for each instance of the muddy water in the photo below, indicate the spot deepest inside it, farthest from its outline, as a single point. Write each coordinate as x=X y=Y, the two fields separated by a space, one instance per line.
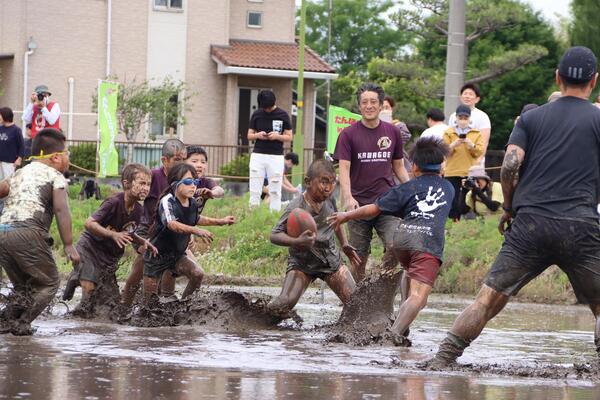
x=69 y=358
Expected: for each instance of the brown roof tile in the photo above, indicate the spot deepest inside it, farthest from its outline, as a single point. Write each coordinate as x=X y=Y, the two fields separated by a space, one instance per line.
x=268 y=55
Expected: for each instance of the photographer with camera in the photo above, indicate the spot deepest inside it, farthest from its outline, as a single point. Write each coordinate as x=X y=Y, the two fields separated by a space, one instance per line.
x=466 y=146
x=482 y=196
x=41 y=112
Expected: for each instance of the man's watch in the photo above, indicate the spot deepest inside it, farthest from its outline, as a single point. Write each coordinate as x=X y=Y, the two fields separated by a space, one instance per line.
x=507 y=209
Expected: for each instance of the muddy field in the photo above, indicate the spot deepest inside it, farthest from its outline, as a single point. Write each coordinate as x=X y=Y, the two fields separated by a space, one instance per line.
x=528 y=352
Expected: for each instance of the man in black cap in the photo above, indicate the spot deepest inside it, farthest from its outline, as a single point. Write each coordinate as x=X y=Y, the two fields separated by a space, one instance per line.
x=550 y=180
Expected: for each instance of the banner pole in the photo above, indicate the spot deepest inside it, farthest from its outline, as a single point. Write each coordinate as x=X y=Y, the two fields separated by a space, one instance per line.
x=98 y=132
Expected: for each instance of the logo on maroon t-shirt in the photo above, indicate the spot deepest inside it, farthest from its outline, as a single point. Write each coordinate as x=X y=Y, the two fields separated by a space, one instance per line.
x=384 y=143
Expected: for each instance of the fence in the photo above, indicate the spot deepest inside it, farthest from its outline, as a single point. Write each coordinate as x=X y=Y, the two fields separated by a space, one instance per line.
x=222 y=159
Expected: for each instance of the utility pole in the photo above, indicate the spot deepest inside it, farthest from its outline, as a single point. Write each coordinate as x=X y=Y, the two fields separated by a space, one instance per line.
x=455 y=56
x=329 y=18
x=298 y=134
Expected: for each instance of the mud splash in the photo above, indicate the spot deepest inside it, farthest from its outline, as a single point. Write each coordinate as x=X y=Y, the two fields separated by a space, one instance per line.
x=216 y=310
x=369 y=313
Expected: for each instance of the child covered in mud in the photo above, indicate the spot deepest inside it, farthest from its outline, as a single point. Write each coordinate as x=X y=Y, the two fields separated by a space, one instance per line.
x=314 y=256
x=423 y=204
x=177 y=217
x=173 y=152
x=36 y=193
x=102 y=244
x=206 y=189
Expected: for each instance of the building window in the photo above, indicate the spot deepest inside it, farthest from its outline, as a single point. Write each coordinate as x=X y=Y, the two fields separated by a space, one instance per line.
x=254 y=19
x=174 y=5
x=165 y=125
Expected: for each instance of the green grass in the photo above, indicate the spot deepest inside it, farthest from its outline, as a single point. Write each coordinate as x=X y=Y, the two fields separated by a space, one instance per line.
x=244 y=250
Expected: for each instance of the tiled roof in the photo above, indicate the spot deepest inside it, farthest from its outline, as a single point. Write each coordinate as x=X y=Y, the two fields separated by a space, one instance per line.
x=268 y=55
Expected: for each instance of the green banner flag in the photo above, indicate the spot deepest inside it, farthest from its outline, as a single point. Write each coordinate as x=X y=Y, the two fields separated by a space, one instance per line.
x=337 y=119
x=108 y=156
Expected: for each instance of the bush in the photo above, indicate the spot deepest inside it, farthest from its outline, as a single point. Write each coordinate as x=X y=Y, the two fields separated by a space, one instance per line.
x=239 y=166
x=83 y=155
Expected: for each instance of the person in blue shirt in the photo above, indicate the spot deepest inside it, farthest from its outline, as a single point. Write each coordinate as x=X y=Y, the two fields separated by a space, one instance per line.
x=423 y=203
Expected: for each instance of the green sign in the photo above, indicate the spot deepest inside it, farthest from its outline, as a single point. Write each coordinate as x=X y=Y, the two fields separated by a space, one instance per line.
x=338 y=118
x=108 y=156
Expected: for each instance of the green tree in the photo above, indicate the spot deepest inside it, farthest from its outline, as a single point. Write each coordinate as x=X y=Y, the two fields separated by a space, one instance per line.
x=584 y=29
x=512 y=53
x=139 y=103
x=360 y=32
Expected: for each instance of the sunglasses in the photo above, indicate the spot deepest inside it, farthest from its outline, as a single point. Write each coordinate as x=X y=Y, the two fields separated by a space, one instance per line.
x=190 y=181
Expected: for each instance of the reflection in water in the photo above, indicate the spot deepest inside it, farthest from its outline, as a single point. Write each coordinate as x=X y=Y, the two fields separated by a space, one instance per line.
x=71 y=359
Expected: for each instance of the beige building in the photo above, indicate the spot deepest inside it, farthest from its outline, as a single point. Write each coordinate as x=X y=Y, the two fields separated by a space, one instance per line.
x=225 y=50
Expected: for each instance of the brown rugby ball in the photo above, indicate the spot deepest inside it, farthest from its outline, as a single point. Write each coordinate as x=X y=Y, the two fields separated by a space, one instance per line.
x=299 y=221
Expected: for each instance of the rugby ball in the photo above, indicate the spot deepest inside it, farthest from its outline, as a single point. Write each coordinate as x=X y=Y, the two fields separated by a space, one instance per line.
x=299 y=221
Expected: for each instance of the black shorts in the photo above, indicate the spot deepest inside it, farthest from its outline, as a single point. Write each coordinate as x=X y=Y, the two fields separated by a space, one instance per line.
x=155 y=266
x=533 y=243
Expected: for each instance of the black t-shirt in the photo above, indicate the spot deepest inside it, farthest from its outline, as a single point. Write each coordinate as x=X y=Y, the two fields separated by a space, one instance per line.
x=170 y=209
x=274 y=121
x=423 y=204
x=113 y=216
x=11 y=143
x=560 y=174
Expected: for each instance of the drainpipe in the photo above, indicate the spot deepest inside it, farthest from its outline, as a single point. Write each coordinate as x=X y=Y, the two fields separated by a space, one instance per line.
x=71 y=81
x=108 y=35
x=31 y=46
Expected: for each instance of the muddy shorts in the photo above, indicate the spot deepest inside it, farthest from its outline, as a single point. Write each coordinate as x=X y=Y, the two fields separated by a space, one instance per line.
x=143 y=231
x=155 y=266
x=533 y=243
x=361 y=232
x=317 y=273
x=420 y=266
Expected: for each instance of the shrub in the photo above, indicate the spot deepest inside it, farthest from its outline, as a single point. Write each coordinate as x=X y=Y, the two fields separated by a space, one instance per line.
x=83 y=155
x=239 y=166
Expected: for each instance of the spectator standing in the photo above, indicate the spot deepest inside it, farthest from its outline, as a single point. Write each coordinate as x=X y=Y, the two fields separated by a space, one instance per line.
x=435 y=123
x=470 y=95
x=387 y=115
x=370 y=155
x=289 y=190
x=270 y=128
x=484 y=197
x=41 y=112
x=11 y=144
x=466 y=145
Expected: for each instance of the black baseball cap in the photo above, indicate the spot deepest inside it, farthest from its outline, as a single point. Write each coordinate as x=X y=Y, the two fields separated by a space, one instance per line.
x=578 y=65
x=463 y=110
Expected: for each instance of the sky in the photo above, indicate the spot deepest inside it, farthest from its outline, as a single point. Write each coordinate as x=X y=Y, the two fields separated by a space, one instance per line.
x=550 y=7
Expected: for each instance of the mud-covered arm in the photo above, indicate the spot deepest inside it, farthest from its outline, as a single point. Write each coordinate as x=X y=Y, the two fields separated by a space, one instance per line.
x=400 y=170
x=364 y=212
x=60 y=207
x=217 y=192
x=4 y=188
x=208 y=221
x=509 y=174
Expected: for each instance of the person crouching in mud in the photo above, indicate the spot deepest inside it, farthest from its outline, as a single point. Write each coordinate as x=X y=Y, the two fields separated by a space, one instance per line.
x=423 y=204
x=177 y=217
x=314 y=256
x=102 y=244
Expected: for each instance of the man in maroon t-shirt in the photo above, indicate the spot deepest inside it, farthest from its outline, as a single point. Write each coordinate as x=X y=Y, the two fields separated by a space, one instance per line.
x=370 y=154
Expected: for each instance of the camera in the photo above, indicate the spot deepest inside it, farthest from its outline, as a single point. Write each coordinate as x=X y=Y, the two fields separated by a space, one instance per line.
x=460 y=135
x=470 y=183
x=40 y=96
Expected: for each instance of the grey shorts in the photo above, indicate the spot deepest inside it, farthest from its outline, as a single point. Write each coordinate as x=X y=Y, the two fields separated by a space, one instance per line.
x=361 y=232
x=533 y=243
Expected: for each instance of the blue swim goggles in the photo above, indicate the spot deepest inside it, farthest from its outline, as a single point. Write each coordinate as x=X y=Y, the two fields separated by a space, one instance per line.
x=190 y=181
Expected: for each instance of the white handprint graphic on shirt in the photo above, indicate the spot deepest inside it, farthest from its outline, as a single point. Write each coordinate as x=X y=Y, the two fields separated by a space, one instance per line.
x=428 y=204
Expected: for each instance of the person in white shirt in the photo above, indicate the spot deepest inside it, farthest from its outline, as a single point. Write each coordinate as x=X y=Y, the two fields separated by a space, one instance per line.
x=470 y=95
x=435 y=122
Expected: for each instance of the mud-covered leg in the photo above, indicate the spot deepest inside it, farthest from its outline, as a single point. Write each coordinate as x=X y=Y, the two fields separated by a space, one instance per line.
x=409 y=309
x=85 y=307
x=150 y=288
x=342 y=283
x=469 y=325
x=188 y=267
x=167 y=284
x=132 y=284
x=294 y=285
x=596 y=310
